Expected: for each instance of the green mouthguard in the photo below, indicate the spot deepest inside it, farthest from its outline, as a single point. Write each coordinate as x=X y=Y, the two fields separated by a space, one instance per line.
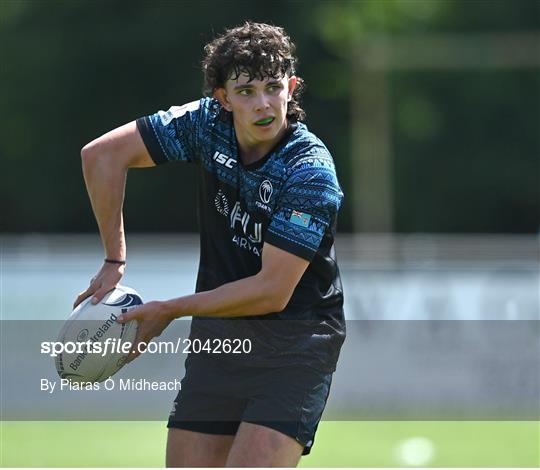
x=265 y=121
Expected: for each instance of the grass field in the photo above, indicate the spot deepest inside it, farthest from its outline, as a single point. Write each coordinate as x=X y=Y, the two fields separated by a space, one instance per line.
x=338 y=444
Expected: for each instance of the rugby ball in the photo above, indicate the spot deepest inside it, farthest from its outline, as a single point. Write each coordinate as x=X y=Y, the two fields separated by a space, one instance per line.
x=94 y=344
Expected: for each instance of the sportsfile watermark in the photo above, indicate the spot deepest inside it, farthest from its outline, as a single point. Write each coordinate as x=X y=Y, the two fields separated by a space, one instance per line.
x=117 y=346
x=387 y=370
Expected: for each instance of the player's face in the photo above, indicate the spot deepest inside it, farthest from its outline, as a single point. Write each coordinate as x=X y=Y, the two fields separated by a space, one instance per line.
x=259 y=109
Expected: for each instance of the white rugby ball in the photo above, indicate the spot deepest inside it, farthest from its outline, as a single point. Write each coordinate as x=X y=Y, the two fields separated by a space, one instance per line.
x=89 y=324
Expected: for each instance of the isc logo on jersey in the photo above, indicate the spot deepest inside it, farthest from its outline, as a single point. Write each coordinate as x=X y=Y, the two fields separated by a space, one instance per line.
x=224 y=160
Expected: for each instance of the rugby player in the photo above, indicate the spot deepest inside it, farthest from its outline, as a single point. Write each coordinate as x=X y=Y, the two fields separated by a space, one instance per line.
x=268 y=201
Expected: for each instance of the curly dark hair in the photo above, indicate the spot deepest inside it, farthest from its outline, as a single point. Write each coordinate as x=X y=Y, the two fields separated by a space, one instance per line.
x=257 y=49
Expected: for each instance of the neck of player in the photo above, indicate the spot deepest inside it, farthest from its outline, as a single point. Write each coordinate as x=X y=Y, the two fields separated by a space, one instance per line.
x=252 y=150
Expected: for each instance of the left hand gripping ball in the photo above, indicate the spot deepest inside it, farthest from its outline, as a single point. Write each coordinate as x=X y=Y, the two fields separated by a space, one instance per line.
x=91 y=327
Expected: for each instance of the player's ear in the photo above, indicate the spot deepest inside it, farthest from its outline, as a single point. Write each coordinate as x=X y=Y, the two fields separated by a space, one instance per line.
x=292 y=85
x=221 y=95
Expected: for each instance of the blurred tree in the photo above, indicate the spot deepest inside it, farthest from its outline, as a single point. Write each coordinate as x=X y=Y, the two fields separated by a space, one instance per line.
x=73 y=70
x=455 y=176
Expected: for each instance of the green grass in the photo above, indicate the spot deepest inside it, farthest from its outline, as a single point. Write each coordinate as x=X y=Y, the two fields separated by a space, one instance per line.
x=338 y=444
x=456 y=443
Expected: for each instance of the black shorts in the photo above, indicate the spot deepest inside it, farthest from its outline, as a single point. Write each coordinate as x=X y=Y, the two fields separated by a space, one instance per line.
x=217 y=396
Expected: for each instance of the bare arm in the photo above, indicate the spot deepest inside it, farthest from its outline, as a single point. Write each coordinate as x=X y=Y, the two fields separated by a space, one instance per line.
x=105 y=162
x=266 y=292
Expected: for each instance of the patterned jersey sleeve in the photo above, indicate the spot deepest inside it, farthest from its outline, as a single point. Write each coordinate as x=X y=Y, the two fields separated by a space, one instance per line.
x=307 y=206
x=174 y=134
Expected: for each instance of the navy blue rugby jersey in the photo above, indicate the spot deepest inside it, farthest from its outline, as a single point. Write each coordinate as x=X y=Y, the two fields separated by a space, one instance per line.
x=290 y=199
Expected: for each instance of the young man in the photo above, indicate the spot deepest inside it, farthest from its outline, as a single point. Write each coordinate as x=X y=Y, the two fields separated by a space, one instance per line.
x=268 y=202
